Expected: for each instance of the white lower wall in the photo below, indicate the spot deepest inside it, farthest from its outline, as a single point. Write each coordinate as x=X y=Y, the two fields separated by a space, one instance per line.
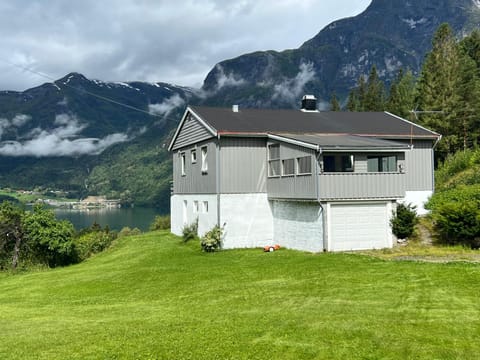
x=298 y=225
x=247 y=220
x=417 y=198
x=181 y=215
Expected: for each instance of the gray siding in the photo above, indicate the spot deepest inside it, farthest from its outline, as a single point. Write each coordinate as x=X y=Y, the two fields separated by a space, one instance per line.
x=243 y=165
x=293 y=186
x=194 y=181
x=192 y=132
x=419 y=167
x=361 y=185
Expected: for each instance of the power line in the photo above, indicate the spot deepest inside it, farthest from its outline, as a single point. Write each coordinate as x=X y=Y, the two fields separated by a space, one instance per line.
x=104 y=98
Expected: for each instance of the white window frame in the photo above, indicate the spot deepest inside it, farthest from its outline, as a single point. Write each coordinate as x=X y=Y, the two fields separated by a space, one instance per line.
x=183 y=164
x=274 y=162
x=205 y=207
x=204 y=151
x=195 y=206
x=193 y=156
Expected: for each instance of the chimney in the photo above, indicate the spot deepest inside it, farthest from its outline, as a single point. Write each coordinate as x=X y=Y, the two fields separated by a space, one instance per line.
x=309 y=103
x=235 y=108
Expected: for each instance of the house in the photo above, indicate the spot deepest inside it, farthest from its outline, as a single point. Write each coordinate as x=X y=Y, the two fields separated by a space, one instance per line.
x=304 y=179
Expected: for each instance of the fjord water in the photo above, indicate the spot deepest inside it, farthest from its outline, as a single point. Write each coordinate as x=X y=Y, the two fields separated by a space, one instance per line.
x=115 y=218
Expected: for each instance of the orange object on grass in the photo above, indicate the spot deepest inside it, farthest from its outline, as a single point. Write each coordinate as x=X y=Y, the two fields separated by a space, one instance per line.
x=270 y=248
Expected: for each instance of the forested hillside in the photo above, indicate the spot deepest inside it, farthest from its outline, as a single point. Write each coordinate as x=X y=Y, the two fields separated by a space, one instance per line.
x=90 y=137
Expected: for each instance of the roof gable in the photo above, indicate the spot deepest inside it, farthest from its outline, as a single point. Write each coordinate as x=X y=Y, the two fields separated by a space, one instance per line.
x=192 y=129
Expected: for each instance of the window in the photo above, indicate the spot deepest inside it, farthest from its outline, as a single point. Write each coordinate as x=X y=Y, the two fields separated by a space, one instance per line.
x=182 y=163
x=184 y=212
x=195 y=206
x=194 y=156
x=338 y=163
x=205 y=206
x=274 y=160
x=288 y=167
x=304 y=165
x=204 y=160
x=386 y=163
x=274 y=168
x=273 y=151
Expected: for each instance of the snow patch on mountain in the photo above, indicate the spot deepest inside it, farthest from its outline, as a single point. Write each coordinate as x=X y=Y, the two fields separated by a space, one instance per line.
x=414 y=23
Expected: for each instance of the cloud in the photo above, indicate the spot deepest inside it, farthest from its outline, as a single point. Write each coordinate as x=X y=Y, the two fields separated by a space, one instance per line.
x=118 y=40
x=229 y=80
x=18 y=121
x=167 y=106
x=61 y=141
x=291 y=89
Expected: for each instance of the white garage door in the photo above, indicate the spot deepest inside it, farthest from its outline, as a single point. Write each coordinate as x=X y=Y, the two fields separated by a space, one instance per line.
x=359 y=226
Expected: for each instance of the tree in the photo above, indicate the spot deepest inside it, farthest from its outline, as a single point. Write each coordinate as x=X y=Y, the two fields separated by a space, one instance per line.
x=368 y=95
x=374 y=98
x=444 y=89
x=11 y=232
x=356 y=98
x=352 y=102
x=470 y=47
x=401 y=99
x=403 y=221
x=334 y=104
x=51 y=240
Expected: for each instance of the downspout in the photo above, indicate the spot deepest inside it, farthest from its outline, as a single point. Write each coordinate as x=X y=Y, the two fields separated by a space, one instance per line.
x=317 y=190
x=217 y=180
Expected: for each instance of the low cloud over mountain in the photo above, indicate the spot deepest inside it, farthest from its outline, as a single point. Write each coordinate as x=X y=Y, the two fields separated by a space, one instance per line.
x=63 y=140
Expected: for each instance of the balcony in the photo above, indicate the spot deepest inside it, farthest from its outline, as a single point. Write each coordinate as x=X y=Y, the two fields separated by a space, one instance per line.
x=339 y=186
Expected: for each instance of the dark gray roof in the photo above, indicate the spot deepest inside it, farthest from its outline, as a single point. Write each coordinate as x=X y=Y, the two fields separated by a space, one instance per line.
x=339 y=142
x=380 y=124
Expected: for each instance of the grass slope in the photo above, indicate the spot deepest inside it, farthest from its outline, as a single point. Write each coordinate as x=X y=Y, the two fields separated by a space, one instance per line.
x=151 y=297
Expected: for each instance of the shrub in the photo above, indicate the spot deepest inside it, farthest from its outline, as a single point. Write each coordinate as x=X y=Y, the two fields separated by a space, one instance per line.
x=190 y=231
x=403 y=221
x=453 y=164
x=126 y=231
x=161 y=222
x=459 y=194
x=50 y=240
x=93 y=240
x=212 y=240
x=458 y=223
x=92 y=243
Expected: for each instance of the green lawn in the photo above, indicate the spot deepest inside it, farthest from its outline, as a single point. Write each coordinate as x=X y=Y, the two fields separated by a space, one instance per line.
x=151 y=297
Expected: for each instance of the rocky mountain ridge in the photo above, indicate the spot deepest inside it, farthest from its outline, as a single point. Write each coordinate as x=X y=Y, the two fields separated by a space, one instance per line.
x=390 y=34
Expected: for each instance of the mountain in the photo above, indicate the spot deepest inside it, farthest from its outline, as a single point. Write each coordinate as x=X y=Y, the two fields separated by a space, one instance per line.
x=390 y=34
x=91 y=137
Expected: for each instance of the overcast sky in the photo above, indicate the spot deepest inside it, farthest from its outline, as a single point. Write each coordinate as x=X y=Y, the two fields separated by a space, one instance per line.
x=150 y=40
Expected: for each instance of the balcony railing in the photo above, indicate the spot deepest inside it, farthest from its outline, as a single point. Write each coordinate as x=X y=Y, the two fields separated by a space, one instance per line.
x=361 y=185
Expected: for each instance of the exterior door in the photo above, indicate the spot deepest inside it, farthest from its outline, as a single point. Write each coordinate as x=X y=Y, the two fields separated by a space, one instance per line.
x=359 y=226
